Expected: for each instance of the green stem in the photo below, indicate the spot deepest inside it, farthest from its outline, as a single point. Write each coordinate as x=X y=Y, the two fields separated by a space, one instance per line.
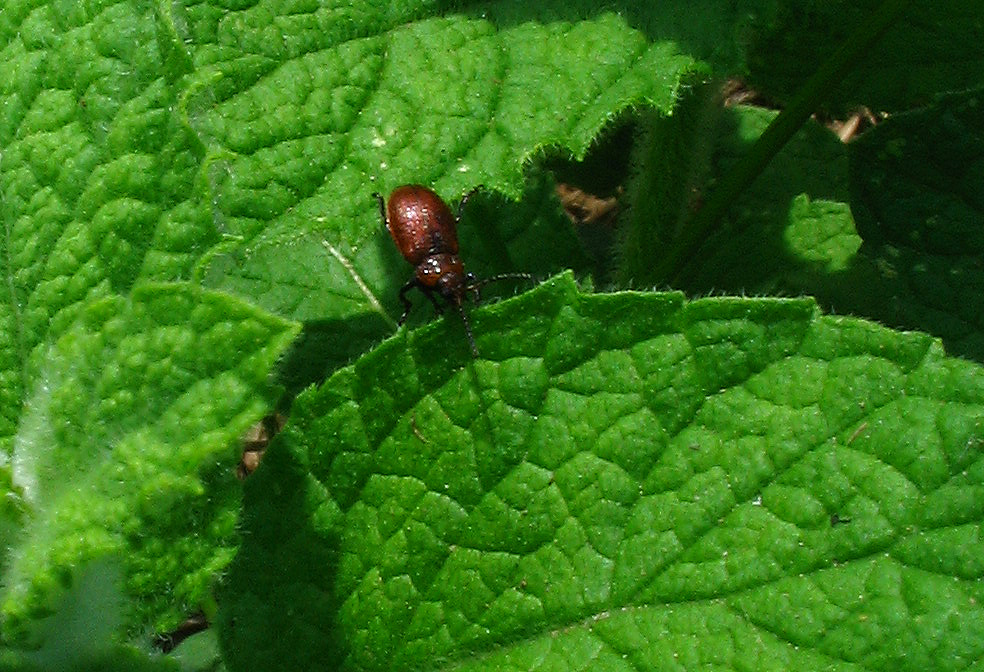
x=776 y=136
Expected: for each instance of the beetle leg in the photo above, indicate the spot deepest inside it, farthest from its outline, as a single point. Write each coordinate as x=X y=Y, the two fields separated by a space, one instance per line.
x=382 y=206
x=407 y=304
x=464 y=199
x=468 y=331
x=470 y=288
x=437 y=306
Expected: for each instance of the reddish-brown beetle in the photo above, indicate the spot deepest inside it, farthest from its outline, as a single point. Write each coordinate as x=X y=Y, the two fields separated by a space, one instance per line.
x=425 y=233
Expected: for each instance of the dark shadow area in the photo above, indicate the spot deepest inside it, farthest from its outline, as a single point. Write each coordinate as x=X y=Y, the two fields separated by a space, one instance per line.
x=531 y=235
x=889 y=279
x=749 y=253
x=276 y=598
x=324 y=346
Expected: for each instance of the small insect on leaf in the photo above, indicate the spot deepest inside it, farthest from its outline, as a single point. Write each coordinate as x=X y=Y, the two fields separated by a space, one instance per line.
x=426 y=234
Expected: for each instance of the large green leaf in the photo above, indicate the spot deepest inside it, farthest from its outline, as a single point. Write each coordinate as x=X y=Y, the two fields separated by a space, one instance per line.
x=99 y=184
x=144 y=140
x=627 y=480
x=307 y=135
x=127 y=449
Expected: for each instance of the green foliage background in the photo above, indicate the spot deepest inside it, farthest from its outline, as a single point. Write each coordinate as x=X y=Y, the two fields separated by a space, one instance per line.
x=621 y=479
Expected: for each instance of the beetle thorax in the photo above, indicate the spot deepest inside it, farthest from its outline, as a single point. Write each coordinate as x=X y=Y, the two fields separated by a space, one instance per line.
x=445 y=273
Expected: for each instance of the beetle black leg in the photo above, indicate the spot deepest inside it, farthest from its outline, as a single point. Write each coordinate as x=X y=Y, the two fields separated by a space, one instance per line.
x=407 y=304
x=468 y=331
x=438 y=308
x=382 y=206
x=464 y=199
x=470 y=289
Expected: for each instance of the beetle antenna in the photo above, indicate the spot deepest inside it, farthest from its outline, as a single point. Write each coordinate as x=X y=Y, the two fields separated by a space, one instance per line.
x=475 y=286
x=468 y=331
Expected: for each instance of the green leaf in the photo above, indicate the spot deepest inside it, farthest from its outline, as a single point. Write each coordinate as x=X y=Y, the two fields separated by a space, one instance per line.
x=626 y=480
x=127 y=449
x=304 y=140
x=200 y=653
x=81 y=634
x=238 y=144
x=143 y=141
x=100 y=184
